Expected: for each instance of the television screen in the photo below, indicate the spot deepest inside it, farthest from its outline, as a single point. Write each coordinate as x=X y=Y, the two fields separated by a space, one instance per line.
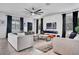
x=51 y=25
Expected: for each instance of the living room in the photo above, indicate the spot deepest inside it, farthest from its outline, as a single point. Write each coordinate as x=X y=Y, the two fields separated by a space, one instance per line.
x=39 y=28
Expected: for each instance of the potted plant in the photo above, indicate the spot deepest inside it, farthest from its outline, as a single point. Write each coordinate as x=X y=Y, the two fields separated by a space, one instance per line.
x=77 y=29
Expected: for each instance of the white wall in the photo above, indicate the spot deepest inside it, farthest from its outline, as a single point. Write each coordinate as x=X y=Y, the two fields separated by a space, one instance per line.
x=3 y=26
x=54 y=18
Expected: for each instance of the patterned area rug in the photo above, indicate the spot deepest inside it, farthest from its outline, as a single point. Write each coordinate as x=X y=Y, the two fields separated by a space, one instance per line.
x=44 y=46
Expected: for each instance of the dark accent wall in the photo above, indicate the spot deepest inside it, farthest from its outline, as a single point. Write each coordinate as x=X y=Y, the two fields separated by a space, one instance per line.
x=41 y=29
x=21 y=24
x=37 y=25
x=9 y=25
x=63 y=25
x=75 y=18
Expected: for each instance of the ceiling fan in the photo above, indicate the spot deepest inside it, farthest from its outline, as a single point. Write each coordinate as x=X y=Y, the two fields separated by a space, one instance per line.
x=34 y=11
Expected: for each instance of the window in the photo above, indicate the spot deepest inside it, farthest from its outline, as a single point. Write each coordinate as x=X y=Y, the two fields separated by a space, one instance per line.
x=15 y=24
x=29 y=28
x=69 y=22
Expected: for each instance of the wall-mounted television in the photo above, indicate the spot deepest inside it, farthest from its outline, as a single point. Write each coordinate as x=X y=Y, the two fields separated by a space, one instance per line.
x=51 y=25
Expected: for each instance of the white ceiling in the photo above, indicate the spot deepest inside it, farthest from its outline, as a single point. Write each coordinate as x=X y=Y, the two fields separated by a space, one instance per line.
x=18 y=8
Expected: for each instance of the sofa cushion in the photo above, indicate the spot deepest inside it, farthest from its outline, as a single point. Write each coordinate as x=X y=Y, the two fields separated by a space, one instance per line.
x=21 y=34
x=72 y=35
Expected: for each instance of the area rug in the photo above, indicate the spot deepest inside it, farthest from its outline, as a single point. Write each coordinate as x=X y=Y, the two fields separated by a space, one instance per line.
x=45 y=48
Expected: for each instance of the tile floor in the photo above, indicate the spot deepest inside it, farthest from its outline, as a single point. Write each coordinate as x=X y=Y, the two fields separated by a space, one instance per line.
x=7 y=49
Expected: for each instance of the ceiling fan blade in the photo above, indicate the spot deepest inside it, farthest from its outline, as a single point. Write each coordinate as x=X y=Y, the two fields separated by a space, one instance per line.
x=38 y=13
x=38 y=10
x=28 y=10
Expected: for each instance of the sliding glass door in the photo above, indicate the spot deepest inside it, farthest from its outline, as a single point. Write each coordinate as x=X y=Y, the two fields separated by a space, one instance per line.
x=78 y=19
x=69 y=24
x=77 y=24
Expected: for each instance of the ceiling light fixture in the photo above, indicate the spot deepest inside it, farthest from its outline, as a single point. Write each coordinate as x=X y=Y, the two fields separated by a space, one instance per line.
x=33 y=14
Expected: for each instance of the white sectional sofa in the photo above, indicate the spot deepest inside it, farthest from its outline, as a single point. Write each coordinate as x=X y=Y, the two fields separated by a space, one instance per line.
x=66 y=46
x=20 y=42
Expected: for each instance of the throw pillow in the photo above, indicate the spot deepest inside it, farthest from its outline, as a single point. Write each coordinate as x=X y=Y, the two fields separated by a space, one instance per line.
x=72 y=35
